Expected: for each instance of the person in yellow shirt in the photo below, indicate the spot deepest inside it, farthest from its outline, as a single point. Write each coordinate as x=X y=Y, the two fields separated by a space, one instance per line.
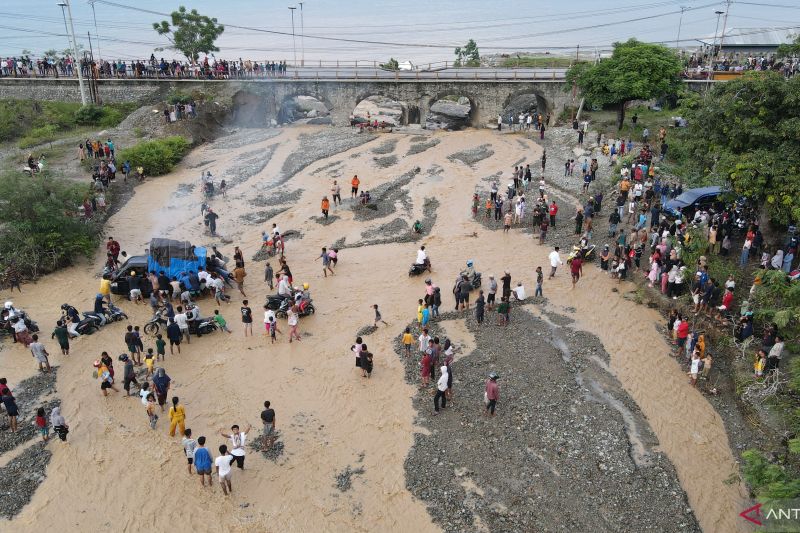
x=149 y=361
x=420 y=307
x=177 y=417
x=105 y=288
x=408 y=340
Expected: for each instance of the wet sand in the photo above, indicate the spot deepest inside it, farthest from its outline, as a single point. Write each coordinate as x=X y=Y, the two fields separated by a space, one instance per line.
x=117 y=475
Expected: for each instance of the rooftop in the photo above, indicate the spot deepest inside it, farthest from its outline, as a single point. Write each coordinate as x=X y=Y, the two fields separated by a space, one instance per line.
x=755 y=36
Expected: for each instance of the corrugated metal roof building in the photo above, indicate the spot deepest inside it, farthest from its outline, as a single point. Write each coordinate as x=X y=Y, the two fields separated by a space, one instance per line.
x=757 y=40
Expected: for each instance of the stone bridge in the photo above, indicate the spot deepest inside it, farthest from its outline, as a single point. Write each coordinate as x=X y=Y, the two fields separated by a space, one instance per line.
x=255 y=102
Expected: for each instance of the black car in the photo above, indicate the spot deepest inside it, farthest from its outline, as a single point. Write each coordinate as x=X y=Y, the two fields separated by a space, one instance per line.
x=119 y=281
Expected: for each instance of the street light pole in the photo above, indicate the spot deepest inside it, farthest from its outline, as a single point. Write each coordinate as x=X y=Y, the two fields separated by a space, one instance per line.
x=724 y=24
x=294 y=43
x=303 y=38
x=75 y=51
x=680 y=23
x=713 y=46
x=96 y=34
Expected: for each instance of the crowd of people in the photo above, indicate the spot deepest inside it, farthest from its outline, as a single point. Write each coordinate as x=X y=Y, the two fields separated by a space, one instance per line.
x=699 y=65
x=65 y=66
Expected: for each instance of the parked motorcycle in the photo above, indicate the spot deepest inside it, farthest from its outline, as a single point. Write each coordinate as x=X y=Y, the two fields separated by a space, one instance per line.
x=7 y=327
x=306 y=308
x=275 y=301
x=153 y=325
x=112 y=314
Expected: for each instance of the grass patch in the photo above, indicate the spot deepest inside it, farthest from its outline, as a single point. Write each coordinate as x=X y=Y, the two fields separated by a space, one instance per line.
x=538 y=62
x=34 y=122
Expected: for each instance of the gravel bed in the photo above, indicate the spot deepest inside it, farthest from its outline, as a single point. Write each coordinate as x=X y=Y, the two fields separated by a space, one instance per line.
x=277 y=198
x=202 y=164
x=429 y=209
x=260 y=217
x=183 y=190
x=566 y=438
x=244 y=137
x=385 y=148
x=22 y=476
x=385 y=162
x=30 y=393
x=329 y=167
x=385 y=197
x=247 y=167
x=419 y=147
x=419 y=138
x=326 y=221
x=321 y=145
x=473 y=155
x=389 y=229
x=344 y=479
x=366 y=330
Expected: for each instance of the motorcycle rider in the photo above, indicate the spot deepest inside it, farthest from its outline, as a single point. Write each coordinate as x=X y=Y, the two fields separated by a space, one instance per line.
x=422 y=257
x=12 y=311
x=469 y=272
x=99 y=305
x=284 y=289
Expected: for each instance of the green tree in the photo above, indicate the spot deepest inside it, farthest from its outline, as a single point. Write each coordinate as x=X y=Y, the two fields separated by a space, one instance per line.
x=746 y=132
x=392 y=64
x=635 y=71
x=42 y=229
x=789 y=49
x=190 y=32
x=468 y=55
x=50 y=54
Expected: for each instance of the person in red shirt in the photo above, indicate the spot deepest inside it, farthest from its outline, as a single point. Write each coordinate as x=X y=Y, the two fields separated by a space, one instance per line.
x=727 y=301
x=553 y=212
x=576 y=269
x=113 y=248
x=683 y=334
x=354 y=183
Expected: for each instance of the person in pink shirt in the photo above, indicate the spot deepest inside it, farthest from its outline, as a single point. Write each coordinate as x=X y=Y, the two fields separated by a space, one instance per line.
x=491 y=394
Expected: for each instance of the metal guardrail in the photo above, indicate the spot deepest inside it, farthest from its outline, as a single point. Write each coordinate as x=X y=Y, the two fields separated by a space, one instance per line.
x=360 y=73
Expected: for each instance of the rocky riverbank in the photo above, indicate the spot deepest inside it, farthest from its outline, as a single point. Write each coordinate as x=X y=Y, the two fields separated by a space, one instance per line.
x=568 y=448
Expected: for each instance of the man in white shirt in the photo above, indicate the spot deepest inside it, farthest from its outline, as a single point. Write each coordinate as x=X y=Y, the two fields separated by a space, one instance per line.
x=223 y=467
x=183 y=322
x=284 y=289
x=555 y=260
x=422 y=257
x=519 y=292
x=203 y=276
x=237 y=443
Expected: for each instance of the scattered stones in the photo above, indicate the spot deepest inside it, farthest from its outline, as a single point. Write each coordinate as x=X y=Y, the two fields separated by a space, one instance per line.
x=320 y=145
x=184 y=189
x=260 y=217
x=278 y=198
x=384 y=198
x=344 y=479
x=385 y=162
x=22 y=476
x=386 y=147
x=395 y=227
x=366 y=330
x=473 y=155
x=542 y=453
x=246 y=167
x=326 y=221
x=418 y=148
x=244 y=137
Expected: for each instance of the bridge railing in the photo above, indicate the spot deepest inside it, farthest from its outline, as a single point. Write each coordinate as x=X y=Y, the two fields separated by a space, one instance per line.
x=326 y=73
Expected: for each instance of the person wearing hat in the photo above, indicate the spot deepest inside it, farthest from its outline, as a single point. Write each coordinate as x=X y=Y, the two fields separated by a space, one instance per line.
x=491 y=394
x=128 y=374
x=134 y=287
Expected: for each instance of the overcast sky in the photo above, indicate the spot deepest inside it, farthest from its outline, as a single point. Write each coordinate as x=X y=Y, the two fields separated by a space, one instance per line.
x=402 y=26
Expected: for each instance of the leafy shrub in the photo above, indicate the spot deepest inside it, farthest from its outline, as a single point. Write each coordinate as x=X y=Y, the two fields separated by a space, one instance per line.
x=178 y=97
x=769 y=481
x=40 y=135
x=157 y=157
x=89 y=115
x=41 y=228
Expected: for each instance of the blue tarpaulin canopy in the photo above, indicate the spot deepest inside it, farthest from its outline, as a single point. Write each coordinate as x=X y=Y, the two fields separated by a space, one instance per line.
x=174 y=257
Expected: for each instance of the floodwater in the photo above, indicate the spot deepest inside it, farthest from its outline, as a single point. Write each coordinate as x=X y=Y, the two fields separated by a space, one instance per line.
x=118 y=475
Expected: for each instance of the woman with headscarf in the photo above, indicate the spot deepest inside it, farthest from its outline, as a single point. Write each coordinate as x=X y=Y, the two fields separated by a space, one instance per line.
x=58 y=423
x=161 y=385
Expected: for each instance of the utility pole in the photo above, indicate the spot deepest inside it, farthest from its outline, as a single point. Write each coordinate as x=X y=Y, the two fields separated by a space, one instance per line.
x=577 y=53
x=303 y=38
x=680 y=23
x=75 y=53
x=294 y=43
x=713 y=47
x=724 y=24
x=96 y=34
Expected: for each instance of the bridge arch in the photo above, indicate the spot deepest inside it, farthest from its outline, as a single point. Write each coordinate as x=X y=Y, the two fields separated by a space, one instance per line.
x=305 y=104
x=406 y=112
x=525 y=100
x=451 y=98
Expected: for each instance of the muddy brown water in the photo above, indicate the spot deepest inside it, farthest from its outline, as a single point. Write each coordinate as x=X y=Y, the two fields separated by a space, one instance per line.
x=118 y=475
